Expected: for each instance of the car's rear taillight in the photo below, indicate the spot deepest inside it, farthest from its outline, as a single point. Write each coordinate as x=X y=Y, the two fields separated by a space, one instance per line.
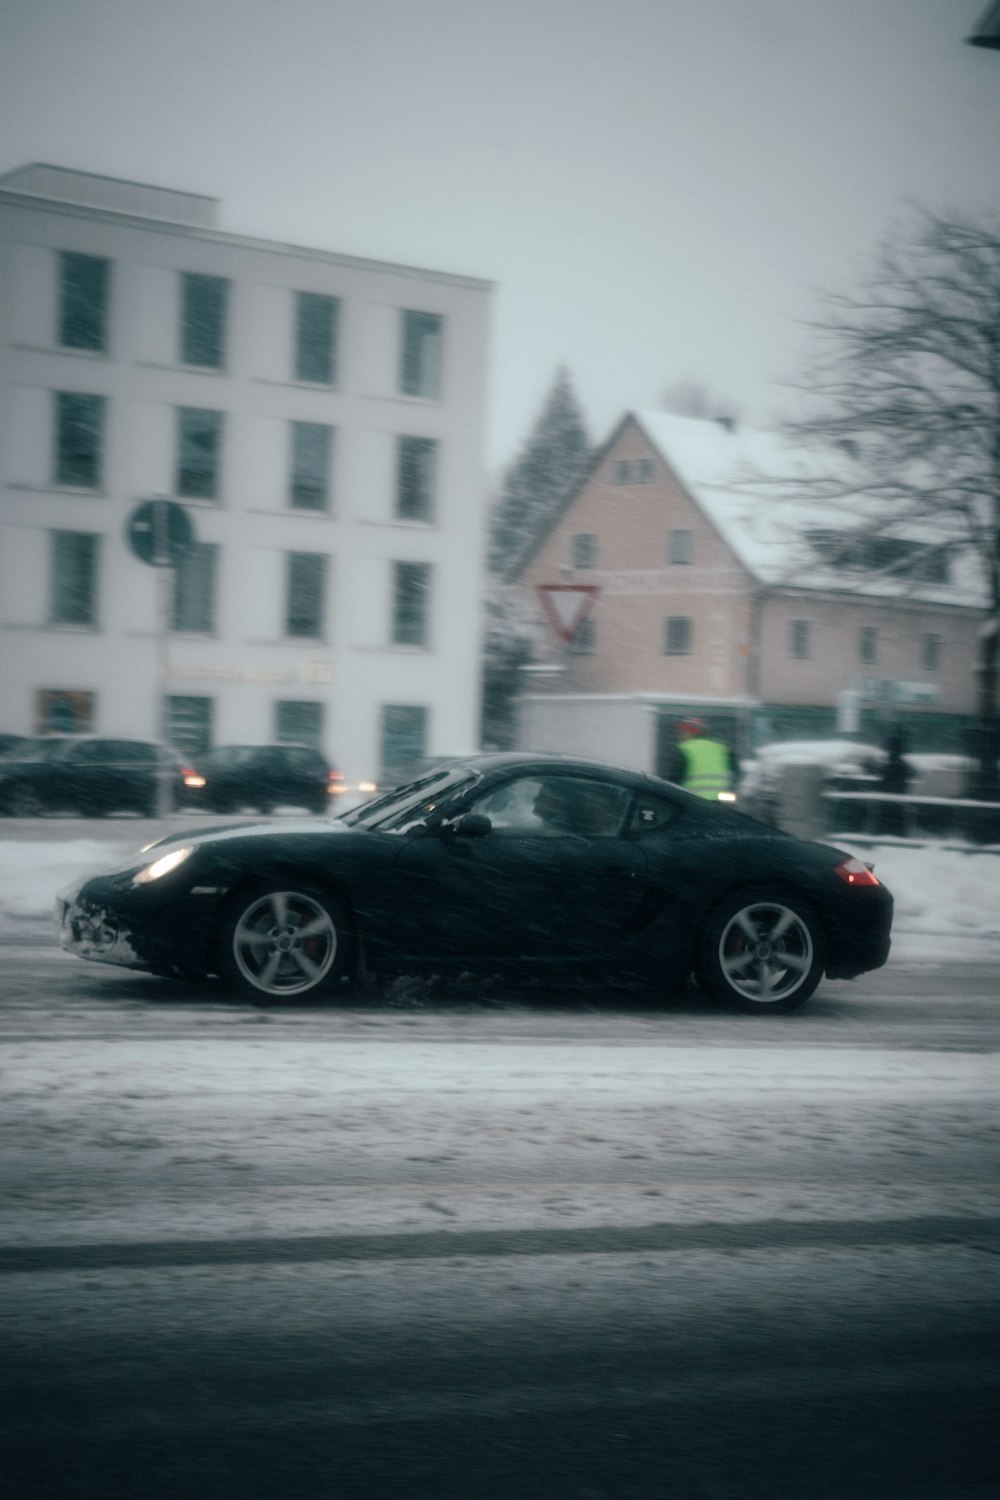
x=190 y=777
x=334 y=783
x=856 y=872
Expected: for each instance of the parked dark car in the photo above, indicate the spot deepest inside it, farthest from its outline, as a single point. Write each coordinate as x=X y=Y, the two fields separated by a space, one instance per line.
x=11 y=742
x=537 y=864
x=90 y=775
x=263 y=777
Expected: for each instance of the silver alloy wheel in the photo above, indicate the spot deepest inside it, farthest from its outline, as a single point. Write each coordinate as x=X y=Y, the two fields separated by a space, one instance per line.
x=765 y=952
x=284 y=943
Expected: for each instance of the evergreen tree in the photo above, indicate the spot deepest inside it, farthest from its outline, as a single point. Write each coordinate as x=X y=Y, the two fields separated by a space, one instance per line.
x=551 y=462
x=537 y=481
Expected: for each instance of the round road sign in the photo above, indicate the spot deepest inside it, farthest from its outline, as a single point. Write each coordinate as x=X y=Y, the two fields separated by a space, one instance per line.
x=160 y=532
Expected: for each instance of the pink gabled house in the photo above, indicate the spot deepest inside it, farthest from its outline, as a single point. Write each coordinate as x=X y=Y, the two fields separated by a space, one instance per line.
x=720 y=594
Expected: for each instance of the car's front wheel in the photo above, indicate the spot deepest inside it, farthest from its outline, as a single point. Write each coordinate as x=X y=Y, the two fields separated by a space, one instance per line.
x=284 y=942
x=761 y=951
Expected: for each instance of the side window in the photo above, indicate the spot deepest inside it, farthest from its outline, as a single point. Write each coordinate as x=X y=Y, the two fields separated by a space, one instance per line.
x=91 y=750
x=652 y=815
x=542 y=805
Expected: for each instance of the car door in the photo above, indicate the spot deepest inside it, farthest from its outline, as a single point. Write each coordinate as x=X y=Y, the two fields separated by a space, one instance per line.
x=545 y=890
x=81 y=778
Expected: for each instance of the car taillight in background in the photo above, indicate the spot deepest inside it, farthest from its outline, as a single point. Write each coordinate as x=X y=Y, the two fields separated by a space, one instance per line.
x=335 y=783
x=856 y=872
x=190 y=777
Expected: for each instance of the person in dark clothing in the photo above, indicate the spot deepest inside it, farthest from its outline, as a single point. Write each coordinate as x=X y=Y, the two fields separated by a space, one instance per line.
x=895 y=779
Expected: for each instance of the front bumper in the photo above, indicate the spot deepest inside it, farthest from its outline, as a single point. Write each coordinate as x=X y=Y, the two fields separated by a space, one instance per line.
x=107 y=920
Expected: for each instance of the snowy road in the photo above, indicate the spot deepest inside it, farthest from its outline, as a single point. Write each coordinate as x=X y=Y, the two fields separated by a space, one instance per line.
x=460 y=1248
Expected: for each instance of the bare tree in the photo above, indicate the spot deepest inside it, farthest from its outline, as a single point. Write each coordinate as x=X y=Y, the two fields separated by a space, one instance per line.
x=905 y=404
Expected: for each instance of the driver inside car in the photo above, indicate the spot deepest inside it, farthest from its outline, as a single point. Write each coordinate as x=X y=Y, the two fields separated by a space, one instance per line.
x=564 y=807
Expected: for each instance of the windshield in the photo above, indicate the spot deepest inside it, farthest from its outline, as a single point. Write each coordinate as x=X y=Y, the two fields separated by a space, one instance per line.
x=406 y=805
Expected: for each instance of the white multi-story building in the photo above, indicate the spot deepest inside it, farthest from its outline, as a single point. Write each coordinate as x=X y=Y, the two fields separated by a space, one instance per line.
x=320 y=418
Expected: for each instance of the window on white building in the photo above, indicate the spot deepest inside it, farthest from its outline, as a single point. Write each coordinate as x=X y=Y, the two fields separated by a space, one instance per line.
x=73 y=578
x=204 y=307
x=199 y=453
x=584 y=551
x=678 y=635
x=309 y=484
x=680 y=546
x=63 y=711
x=189 y=723
x=79 y=439
x=305 y=594
x=420 y=364
x=931 y=650
x=194 y=589
x=868 y=645
x=317 y=321
x=84 y=285
x=411 y=603
x=416 y=478
x=298 y=722
x=800 y=639
x=403 y=737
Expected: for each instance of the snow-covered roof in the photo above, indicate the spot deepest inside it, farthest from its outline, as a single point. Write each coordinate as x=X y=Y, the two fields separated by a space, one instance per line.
x=733 y=475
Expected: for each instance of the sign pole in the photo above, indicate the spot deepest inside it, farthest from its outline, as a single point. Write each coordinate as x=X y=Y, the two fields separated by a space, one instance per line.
x=160 y=534
x=165 y=569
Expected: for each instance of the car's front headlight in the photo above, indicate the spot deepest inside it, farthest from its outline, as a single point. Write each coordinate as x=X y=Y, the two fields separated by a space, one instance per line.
x=161 y=866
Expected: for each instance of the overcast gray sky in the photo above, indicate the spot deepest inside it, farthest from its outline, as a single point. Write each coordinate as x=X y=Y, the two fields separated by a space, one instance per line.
x=657 y=187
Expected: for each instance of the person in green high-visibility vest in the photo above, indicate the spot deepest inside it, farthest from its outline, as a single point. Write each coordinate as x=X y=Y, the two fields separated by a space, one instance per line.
x=701 y=764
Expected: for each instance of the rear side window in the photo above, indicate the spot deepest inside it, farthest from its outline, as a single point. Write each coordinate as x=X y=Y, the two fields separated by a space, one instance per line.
x=91 y=751
x=302 y=759
x=133 y=751
x=652 y=814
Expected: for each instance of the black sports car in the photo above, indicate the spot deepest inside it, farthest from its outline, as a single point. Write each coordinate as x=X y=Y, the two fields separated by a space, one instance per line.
x=539 y=864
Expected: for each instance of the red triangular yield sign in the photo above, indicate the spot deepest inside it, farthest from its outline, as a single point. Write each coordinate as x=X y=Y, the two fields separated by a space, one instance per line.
x=567 y=605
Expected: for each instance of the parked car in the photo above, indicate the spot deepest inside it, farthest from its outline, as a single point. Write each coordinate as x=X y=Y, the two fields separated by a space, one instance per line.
x=535 y=864
x=90 y=775
x=263 y=777
x=11 y=742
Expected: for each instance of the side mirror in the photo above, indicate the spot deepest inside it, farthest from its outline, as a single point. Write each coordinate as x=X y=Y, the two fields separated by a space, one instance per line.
x=471 y=826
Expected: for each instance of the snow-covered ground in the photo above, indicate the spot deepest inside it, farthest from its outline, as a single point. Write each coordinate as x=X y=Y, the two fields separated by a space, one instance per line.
x=946 y=893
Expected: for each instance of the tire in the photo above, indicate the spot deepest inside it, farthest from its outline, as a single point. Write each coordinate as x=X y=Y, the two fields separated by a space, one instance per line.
x=283 y=941
x=761 y=951
x=23 y=802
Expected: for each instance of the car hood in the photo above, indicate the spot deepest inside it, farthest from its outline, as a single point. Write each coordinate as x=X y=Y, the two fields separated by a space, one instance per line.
x=196 y=836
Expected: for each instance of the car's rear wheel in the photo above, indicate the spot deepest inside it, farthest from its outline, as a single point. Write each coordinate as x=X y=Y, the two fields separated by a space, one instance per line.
x=284 y=942
x=761 y=951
